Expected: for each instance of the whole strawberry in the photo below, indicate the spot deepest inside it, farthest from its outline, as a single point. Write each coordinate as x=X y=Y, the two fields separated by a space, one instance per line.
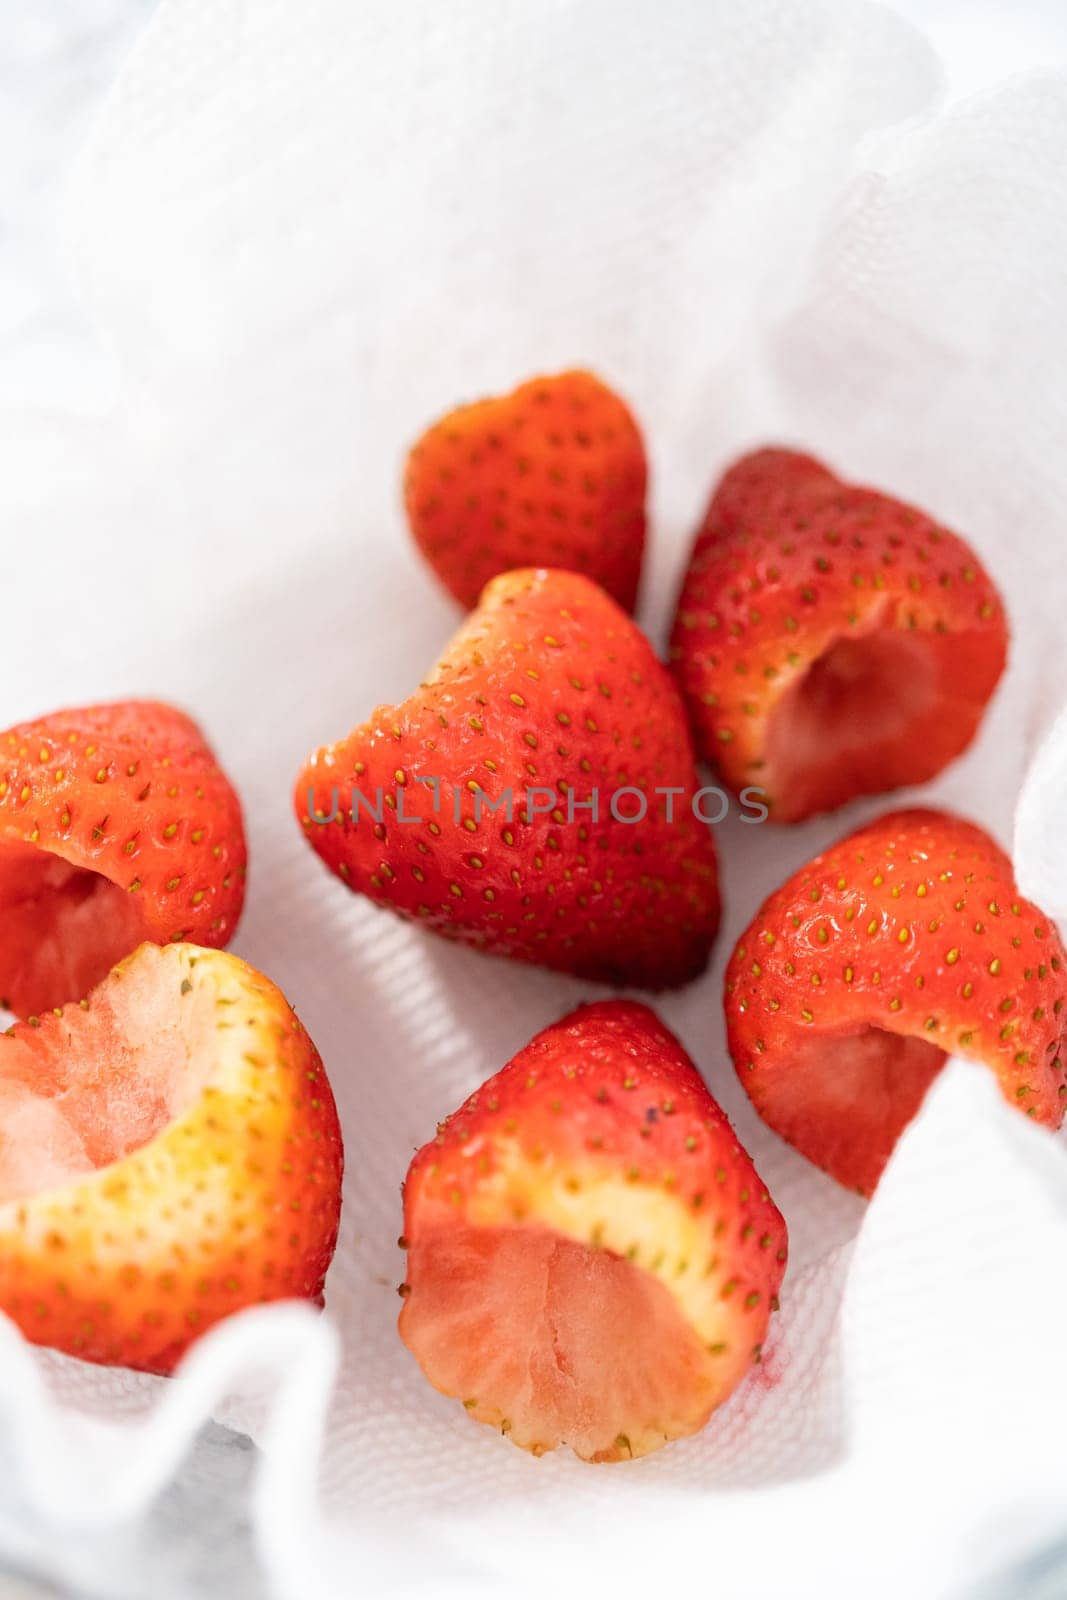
x=533 y=797
x=903 y=943
x=552 y=475
x=116 y=825
x=170 y=1154
x=830 y=641
x=592 y=1258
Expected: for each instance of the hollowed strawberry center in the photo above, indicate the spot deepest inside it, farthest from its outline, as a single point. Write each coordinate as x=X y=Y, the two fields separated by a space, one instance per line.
x=61 y=928
x=86 y=1088
x=845 y=1097
x=853 y=723
x=554 y=1342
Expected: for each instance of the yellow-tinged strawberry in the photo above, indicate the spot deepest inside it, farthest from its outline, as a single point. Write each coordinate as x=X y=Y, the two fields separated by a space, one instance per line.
x=592 y=1257
x=169 y=1153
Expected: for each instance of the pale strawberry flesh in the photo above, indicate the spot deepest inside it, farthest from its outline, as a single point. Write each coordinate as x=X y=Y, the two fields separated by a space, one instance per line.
x=552 y=1342
x=83 y=1088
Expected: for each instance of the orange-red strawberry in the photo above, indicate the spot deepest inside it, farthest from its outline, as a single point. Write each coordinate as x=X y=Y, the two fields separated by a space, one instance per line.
x=830 y=641
x=170 y=1153
x=592 y=1258
x=551 y=475
x=903 y=943
x=116 y=825
x=502 y=804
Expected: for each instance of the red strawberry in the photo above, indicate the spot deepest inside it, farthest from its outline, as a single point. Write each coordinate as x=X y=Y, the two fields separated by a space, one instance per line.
x=116 y=825
x=546 y=699
x=592 y=1258
x=830 y=641
x=901 y=943
x=170 y=1153
x=553 y=475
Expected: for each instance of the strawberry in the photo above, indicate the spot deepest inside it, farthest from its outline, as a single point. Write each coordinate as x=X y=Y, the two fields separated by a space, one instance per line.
x=830 y=642
x=547 y=702
x=116 y=825
x=552 y=474
x=170 y=1153
x=901 y=944
x=592 y=1258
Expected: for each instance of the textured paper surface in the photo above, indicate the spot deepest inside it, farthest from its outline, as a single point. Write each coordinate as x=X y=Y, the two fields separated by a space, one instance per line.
x=305 y=230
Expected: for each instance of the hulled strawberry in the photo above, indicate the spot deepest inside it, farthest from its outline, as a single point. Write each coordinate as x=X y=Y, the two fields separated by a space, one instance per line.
x=592 y=1258
x=170 y=1153
x=830 y=641
x=533 y=797
x=552 y=474
x=904 y=943
x=116 y=825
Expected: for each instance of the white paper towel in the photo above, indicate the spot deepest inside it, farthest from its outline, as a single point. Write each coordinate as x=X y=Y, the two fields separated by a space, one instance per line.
x=306 y=230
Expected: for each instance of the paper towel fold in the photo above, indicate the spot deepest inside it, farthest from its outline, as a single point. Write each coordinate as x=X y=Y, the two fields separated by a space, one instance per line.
x=307 y=229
